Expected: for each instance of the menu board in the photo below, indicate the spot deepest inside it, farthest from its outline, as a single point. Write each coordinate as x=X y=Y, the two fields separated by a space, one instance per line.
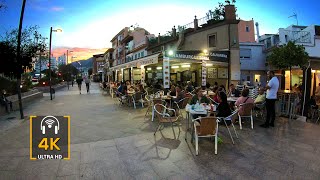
x=204 y=73
x=166 y=73
x=137 y=75
x=222 y=73
x=212 y=73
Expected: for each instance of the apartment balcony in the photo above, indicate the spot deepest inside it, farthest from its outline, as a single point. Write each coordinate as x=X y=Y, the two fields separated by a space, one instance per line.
x=127 y=39
x=140 y=43
x=297 y=36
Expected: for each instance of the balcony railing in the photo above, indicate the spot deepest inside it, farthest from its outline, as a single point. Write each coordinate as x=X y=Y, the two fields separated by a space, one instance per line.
x=298 y=36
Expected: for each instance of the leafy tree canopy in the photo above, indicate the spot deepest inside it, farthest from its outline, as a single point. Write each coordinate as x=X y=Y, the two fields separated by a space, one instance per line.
x=289 y=55
x=32 y=43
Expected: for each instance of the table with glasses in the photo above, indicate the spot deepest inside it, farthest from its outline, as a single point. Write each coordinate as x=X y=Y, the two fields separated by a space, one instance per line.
x=203 y=109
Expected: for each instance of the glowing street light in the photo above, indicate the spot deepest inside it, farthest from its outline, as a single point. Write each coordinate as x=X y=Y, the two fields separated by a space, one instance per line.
x=170 y=53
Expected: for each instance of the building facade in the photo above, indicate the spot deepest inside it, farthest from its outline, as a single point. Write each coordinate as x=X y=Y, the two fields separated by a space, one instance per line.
x=253 y=63
x=200 y=53
x=246 y=31
x=98 y=63
x=62 y=60
x=307 y=36
x=54 y=63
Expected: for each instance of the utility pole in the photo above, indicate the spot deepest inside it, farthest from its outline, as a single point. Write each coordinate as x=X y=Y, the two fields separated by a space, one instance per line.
x=19 y=68
x=50 y=64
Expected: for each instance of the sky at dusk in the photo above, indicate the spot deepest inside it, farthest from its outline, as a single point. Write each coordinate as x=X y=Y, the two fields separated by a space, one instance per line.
x=92 y=24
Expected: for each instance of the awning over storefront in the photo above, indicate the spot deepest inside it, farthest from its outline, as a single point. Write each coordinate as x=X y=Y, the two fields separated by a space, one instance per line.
x=218 y=56
x=152 y=59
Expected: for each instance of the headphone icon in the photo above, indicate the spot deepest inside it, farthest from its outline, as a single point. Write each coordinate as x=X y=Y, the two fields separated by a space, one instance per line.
x=49 y=120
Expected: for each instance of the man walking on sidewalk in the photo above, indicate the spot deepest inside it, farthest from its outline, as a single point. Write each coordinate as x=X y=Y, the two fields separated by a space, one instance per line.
x=5 y=102
x=272 y=90
x=79 y=82
x=87 y=81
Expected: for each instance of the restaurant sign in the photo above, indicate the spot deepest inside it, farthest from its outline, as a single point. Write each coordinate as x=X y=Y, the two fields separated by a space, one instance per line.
x=221 y=56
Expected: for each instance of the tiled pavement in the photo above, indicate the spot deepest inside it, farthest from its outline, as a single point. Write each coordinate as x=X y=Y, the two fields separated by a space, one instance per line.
x=111 y=142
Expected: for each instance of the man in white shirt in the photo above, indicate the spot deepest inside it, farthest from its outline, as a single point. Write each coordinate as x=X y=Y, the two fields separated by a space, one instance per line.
x=272 y=90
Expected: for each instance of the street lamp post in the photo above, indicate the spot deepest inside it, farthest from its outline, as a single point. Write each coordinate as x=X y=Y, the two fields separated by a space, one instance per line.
x=51 y=30
x=19 y=68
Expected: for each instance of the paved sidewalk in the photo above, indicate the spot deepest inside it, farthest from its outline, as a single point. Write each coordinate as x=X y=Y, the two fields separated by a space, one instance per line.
x=112 y=142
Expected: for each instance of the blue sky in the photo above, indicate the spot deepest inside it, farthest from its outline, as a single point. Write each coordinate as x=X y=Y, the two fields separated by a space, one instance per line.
x=93 y=23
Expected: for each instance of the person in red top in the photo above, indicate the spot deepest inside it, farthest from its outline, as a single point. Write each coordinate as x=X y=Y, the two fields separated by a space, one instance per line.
x=243 y=99
x=215 y=96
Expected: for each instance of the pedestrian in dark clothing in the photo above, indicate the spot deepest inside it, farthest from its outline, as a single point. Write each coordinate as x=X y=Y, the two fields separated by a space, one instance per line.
x=79 y=82
x=223 y=109
x=5 y=102
x=72 y=82
x=87 y=81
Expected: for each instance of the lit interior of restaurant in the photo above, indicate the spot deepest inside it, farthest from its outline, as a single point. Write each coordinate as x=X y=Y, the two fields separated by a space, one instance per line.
x=187 y=71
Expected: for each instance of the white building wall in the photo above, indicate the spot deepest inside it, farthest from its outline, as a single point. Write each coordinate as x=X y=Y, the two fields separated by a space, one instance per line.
x=257 y=60
x=314 y=51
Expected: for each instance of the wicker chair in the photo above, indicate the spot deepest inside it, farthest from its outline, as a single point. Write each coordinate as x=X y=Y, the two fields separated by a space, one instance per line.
x=207 y=128
x=121 y=98
x=246 y=113
x=181 y=105
x=162 y=113
x=137 y=98
x=148 y=101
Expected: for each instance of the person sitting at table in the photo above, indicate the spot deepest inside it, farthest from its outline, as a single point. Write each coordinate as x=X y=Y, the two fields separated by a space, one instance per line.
x=173 y=90
x=223 y=109
x=243 y=99
x=233 y=91
x=199 y=97
x=261 y=97
x=158 y=85
x=222 y=88
x=208 y=86
x=189 y=87
x=215 y=97
x=130 y=89
x=141 y=89
x=179 y=94
x=121 y=88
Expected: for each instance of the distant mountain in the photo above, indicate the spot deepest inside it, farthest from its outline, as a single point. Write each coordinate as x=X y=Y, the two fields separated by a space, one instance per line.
x=84 y=63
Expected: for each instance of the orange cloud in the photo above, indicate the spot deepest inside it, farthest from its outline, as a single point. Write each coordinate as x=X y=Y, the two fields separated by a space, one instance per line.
x=77 y=53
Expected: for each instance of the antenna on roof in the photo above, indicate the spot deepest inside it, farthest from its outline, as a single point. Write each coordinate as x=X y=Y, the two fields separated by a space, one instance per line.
x=295 y=15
